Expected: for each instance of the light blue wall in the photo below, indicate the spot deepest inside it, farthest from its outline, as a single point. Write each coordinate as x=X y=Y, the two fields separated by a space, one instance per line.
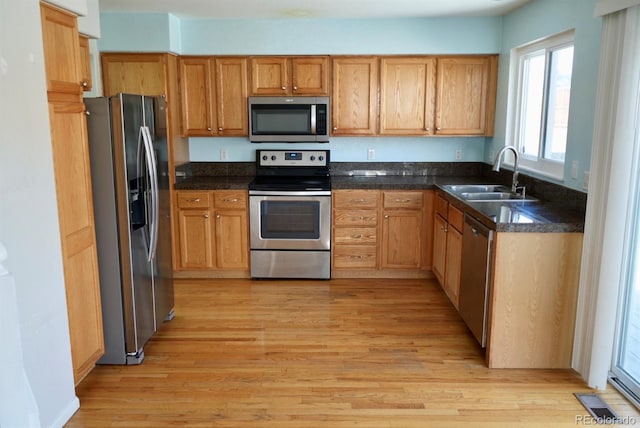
x=341 y=36
x=536 y=20
x=139 y=32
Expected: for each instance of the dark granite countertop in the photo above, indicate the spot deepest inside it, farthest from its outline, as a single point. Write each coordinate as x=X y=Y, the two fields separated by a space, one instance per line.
x=214 y=182
x=559 y=209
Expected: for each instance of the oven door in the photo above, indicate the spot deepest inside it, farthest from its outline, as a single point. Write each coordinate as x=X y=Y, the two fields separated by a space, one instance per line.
x=290 y=221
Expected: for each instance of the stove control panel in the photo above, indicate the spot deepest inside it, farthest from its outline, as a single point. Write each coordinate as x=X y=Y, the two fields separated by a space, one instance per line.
x=304 y=158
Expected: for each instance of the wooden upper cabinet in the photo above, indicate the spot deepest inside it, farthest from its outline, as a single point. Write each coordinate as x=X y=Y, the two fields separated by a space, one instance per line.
x=85 y=64
x=231 y=96
x=61 y=50
x=214 y=96
x=290 y=75
x=142 y=74
x=407 y=98
x=196 y=88
x=465 y=95
x=354 y=101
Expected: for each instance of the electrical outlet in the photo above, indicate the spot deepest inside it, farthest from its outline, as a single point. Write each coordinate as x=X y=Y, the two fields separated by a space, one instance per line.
x=371 y=154
x=458 y=154
x=224 y=155
x=574 y=170
x=585 y=180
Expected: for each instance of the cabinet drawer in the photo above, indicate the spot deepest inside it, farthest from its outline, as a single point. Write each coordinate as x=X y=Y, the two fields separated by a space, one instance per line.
x=456 y=218
x=193 y=199
x=354 y=256
x=406 y=200
x=353 y=199
x=355 y=217
x=230 y=199
x=355 y=235
x=442 y=206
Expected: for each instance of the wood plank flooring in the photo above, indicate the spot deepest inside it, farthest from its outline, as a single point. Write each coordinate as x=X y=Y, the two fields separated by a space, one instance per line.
x=339 y=353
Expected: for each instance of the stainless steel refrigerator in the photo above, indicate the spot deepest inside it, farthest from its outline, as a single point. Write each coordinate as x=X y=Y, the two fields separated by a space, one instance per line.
x=130 y=177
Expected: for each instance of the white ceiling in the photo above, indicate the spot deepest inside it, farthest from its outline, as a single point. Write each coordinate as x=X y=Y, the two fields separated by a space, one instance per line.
x=279 y=9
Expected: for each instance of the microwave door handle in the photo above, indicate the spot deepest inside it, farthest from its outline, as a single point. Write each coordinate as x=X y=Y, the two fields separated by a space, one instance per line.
x=313 y=119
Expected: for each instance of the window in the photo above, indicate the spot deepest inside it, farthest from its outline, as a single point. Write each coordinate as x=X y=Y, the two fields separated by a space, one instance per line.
x=539 y=108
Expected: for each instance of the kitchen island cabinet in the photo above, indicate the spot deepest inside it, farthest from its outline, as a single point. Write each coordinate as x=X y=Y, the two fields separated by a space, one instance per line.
x=70 y=148
x=305 y=75
x=212 y=233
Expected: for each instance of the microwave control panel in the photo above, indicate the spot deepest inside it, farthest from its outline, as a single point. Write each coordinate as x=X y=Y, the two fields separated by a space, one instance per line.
x=303 y=158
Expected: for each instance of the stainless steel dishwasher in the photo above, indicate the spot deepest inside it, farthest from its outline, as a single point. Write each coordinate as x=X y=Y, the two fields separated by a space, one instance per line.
x=475 y=276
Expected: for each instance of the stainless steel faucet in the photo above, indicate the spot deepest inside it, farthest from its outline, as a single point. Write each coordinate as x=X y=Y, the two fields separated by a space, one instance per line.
x=498 y=161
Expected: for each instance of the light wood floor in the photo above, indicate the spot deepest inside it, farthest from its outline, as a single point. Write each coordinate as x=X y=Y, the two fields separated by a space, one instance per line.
x=339 y=353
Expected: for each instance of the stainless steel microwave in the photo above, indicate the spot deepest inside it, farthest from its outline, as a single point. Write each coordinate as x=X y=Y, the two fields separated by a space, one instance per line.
x=289 y=119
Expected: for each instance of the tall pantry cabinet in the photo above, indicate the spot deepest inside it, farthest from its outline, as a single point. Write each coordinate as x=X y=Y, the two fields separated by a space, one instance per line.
x=73 y=187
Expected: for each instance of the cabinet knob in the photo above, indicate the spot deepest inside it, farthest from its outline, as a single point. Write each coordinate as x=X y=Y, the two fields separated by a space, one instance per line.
x=87 y=112
x=386 y=216
x=206 y=216
x=284 y=88
x=220 y=129
x=208 y=129
x=295 y=88
x=335 y=128
x=217 y=215
x=427 y=129
x=438 y=129
x=84 y=83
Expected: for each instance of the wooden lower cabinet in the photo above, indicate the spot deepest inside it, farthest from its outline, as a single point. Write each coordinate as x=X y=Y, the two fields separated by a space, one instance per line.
x=378 y=233
x=447 y=247
x=213 y=230
x=533 y=296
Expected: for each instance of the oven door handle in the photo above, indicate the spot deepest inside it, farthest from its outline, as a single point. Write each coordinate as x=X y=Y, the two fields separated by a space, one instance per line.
x=289 y=193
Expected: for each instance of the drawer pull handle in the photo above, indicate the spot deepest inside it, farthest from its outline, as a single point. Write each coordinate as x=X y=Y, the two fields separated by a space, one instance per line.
x=403 y=200
x=356 y=236
x=357 y=200
x=234 y=200
x=356 y=257
x=193 y=200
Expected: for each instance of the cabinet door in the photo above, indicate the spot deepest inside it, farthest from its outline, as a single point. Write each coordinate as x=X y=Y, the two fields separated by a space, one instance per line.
x=354 y=103
x=195 y=239
x=196 y=87
x=269 y=76
x=61 y=50
x=232 y=239
x=401 y=239
x=231 y=96
x=85 y=64
x=439 y=248
x=462 y=95
x=407 y=97
x=142 y=74
x=310 y=76
x=77 y=232
x=453 y=263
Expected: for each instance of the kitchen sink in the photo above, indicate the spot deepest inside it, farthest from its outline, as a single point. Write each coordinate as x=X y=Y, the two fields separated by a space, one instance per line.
x=487 y=193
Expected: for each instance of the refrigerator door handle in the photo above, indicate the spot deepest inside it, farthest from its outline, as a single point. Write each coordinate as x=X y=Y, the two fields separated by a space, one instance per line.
x=153 y=176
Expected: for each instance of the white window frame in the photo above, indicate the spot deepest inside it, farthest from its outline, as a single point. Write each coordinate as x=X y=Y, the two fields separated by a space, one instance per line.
x=546 y=167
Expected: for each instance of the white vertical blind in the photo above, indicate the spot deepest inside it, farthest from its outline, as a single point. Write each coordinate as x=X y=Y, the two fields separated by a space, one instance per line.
x=607 y=206
x=605 y=7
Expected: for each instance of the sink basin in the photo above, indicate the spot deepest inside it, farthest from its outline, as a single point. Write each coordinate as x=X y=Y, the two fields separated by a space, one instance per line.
x=477 y=188
x=486 y=193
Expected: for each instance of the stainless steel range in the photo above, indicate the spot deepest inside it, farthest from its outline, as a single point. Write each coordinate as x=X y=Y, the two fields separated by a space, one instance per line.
x=290 y=214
